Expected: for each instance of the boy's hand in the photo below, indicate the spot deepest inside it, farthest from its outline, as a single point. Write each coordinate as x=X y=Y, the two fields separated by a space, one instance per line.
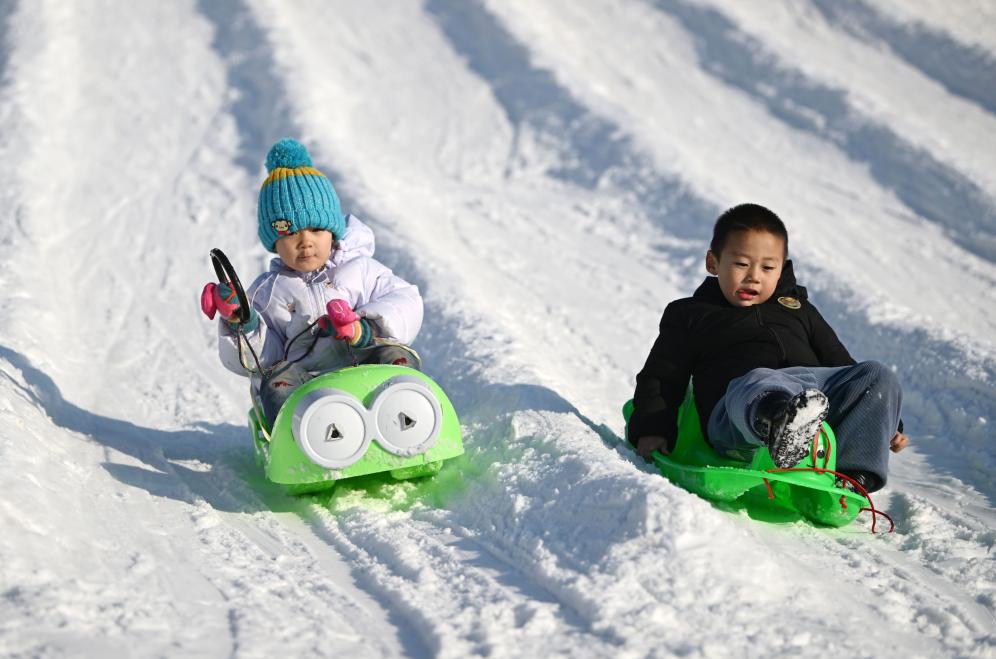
x=347 y=325
x=221 y=299
x=650 y=443
x=898 y=442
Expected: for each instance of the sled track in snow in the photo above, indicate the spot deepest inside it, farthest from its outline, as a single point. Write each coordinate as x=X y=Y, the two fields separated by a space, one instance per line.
x=452 y=572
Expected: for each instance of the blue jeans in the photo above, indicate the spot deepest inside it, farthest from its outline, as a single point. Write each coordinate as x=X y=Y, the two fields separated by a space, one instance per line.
x=865 y=404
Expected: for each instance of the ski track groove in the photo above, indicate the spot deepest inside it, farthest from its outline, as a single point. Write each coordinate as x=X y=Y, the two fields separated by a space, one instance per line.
x=393 y=580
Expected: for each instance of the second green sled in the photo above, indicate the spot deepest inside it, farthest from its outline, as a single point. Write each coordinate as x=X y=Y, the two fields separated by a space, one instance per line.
x=807 y=490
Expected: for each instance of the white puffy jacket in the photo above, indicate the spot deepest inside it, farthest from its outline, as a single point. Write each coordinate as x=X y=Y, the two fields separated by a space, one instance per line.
x=287 y=301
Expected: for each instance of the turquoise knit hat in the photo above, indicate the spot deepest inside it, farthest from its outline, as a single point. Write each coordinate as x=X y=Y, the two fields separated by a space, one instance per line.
x=295 y=196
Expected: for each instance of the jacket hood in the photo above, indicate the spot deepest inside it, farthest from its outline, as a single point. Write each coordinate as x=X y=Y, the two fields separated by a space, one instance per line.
x=358 y=241
x=709 y=291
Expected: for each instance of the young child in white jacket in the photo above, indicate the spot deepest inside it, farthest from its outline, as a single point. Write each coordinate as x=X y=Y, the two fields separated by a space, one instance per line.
x=325 y=302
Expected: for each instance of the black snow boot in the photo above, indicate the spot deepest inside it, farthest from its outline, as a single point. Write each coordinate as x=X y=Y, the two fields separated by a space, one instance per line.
x=870 y=482
x=788 y=424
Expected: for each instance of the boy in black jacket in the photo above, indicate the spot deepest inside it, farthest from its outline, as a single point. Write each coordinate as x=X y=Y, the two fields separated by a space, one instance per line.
x=766 y=368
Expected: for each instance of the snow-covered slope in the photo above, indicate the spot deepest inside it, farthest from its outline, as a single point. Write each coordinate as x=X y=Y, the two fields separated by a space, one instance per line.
x=548 y=174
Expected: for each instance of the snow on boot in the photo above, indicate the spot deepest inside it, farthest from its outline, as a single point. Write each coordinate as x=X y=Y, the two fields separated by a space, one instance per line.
x=788 y=424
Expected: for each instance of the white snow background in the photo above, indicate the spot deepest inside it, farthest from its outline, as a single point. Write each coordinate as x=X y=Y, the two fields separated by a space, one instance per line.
x=548 y=174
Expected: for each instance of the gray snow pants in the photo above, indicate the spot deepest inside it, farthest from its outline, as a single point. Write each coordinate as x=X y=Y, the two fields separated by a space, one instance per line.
x=865 y=405
x=278 y=387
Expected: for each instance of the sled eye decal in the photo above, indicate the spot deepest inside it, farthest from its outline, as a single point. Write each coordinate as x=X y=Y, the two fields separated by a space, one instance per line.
x=331 y=427
x=334 y=429
x=407 y=416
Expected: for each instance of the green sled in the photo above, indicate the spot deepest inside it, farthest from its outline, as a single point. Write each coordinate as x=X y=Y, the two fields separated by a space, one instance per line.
x=757 y=486
x=356 y=421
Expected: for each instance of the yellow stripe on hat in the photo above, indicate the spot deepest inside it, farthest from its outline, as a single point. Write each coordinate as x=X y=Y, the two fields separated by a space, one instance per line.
x=280 y=173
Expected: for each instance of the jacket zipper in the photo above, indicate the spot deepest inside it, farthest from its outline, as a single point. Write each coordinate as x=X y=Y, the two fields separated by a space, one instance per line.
x=760 y=321
x=316 y=303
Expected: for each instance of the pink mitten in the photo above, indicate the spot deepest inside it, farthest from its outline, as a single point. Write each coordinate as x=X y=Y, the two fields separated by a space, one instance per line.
x=347 y=325
x=220 y=298
x=344 y=320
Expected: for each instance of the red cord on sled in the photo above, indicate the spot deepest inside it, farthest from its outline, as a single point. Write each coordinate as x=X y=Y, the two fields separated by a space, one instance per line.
x=823 y=470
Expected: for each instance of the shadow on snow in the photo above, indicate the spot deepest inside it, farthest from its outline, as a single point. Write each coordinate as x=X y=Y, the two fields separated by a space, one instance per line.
x=967 y=71
x=928 y=187
x=592 y=151
x=212 y=445
x=7 y=9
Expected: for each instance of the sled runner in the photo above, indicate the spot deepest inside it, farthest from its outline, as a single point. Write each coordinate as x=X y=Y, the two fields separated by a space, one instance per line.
x=807 y=490
x=355 y=421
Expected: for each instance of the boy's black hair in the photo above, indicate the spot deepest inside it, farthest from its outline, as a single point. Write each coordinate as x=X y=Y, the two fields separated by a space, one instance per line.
x=746 y=217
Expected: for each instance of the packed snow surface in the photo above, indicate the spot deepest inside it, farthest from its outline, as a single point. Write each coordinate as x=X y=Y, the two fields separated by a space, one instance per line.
x=548 y=174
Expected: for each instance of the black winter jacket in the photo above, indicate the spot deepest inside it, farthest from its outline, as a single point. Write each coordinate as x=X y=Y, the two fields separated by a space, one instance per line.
x=710 y=340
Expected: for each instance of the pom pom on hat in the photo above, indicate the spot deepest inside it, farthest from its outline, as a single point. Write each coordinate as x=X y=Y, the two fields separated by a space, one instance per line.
x=295 y=196
x=287 y=153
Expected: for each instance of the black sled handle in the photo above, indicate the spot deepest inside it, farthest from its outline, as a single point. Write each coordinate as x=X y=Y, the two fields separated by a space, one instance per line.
x=226 y=275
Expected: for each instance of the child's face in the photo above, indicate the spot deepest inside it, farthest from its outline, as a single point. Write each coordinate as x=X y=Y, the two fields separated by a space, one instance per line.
x=748 y=266
x=305 y=250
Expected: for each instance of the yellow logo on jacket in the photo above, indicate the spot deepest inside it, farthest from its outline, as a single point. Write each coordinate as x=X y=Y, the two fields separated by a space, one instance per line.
x=790 y=302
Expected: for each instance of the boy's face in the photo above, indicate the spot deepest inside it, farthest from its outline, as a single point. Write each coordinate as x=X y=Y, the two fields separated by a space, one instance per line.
x=305 y=250
x=748 y=266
